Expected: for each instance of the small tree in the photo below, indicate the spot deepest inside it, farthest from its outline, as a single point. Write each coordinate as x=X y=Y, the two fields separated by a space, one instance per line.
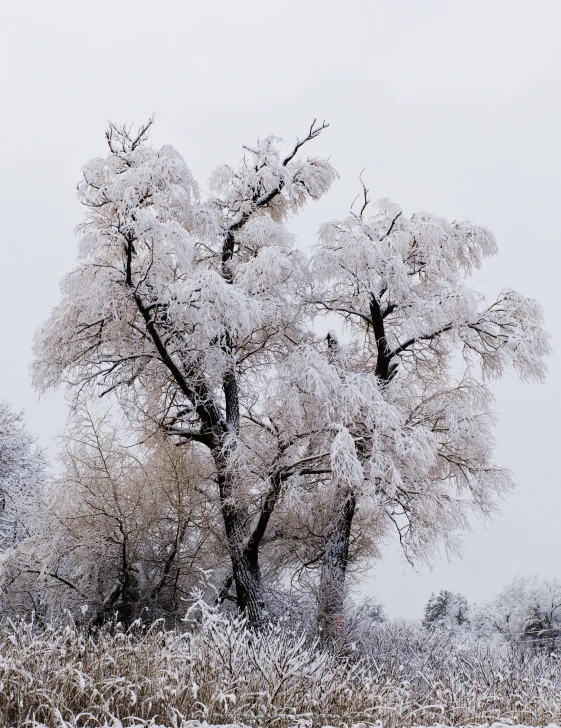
x=446 y=610
x=539 y=629
x=22 y=474
x=124 y=530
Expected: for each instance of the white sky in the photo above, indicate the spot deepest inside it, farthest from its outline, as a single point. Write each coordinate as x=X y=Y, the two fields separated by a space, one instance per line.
x=451 y=106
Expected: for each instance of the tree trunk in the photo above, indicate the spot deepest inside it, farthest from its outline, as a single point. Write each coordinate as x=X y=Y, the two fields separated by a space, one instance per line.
x=131 y=605
x=249 y=586
x=244 y=555
x=334 y=567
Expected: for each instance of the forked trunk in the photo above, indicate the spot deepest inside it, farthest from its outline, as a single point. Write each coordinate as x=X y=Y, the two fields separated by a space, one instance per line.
x=334 y=568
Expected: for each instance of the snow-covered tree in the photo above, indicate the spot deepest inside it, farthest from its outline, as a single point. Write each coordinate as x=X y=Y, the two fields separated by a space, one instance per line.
x=125 y=529
x=446 y=610
x=527 y=609
x=22 y=474
x=415 y=449
x=184 y=307
x=539 y=628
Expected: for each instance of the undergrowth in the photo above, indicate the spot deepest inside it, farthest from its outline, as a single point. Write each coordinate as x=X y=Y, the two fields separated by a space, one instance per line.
x=219 y=671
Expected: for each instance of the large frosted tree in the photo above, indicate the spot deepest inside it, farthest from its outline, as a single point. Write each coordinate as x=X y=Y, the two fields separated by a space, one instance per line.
x=417 y=456
x=184 y=308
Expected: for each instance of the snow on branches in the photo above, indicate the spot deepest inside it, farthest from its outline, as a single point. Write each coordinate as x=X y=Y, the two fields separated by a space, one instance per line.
x=405 y=279
x=22 y=473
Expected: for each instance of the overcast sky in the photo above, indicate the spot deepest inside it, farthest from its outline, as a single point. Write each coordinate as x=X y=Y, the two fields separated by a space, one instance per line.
x=452 y=107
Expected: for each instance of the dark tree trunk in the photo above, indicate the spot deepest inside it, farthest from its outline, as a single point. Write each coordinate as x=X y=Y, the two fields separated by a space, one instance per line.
x=131 y=604
x=124 y=603
x=249 y=586
x=338 y=533
x=334 y=567
x=244 y=552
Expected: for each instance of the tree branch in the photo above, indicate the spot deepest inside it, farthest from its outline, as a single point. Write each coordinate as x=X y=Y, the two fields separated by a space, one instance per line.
x=54 y=575
x=263 y=201
x=427 y=337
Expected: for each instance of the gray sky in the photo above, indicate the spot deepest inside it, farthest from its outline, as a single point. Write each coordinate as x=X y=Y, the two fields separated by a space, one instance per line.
x=451 y=106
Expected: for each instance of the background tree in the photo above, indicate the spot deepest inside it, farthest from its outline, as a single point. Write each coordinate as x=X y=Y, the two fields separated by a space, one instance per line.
x=539 y=628
x=526 y=610
x=446 y=610
x=125 y=530
x=22 y=475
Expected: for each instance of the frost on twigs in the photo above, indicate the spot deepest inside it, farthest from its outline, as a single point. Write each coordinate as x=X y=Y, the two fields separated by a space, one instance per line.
x=122 y=532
